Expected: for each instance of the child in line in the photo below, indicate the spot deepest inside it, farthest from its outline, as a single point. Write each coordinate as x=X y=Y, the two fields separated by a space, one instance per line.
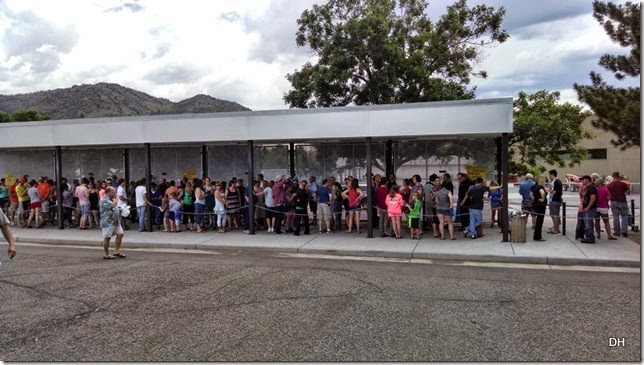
x=395 y=203
x=168 y=216
x=175 y=207
x=414 y=214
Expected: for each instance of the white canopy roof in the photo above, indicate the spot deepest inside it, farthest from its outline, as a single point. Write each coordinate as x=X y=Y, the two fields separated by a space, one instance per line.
x=470 y=118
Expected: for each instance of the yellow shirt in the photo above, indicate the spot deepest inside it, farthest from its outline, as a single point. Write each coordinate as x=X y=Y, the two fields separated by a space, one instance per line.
x=21 y=189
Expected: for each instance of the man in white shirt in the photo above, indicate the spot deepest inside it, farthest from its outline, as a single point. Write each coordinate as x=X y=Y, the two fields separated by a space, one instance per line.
x=142 y=202
x=121 y=198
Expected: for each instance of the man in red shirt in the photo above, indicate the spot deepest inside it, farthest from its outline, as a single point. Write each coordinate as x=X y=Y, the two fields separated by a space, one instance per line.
x=381 y=201
x=44 y=190
x=618 y=205
x=13 y=201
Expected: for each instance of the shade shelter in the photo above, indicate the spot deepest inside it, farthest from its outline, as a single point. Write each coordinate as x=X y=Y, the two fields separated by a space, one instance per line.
x=489 y=119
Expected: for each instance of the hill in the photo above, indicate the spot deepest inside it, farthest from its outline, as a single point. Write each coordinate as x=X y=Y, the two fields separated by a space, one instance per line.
x=109 y=100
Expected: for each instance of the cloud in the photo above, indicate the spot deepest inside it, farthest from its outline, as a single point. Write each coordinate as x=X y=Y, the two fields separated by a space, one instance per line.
x=231 y=16
x=276 y=29
x=172 y=73
x=133 y=7
x=32 y=44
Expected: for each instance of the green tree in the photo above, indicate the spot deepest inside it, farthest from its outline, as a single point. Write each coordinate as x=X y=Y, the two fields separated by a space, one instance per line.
x=617 y=109
x=28 y=116
x=544 y=128
x=389 y=51
x=5 y=117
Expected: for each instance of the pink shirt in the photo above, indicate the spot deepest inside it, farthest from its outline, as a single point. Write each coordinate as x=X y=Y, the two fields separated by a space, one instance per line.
x=602 y=197
x=81 y=191
x=394 y=205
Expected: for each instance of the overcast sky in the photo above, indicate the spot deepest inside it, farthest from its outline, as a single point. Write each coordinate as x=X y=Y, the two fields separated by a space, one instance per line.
x=241 y=50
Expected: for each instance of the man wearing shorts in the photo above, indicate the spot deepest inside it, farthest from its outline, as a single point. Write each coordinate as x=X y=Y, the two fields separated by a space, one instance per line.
x=110 y=223
x=556 y=190
x=324 y=197
x=526 y=202
x=6 y=232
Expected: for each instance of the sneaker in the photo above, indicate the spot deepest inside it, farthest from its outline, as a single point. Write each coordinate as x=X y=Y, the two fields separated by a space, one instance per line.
x=464 y=234
x=473 y=237
x=328 y=231
x=245 y=231
x=587 y=241
x=625 y=234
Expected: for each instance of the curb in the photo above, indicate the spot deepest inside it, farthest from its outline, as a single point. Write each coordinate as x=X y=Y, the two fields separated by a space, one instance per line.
x=543 y=260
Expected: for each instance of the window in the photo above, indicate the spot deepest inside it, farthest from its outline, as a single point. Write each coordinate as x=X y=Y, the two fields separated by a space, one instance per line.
x=597 y=154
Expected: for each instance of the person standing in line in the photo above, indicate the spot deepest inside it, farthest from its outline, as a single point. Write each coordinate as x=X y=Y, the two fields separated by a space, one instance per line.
x=496 y=197
x=354 y=194
x=110 y=224
x=200 y=204
x=259 y=212
x=187 y=199
x=121 y=200
x=464 y=184
x=4 y=194
x=156 y=199
x=93 y=205
x=619 y=207
x=526 y=202
x=603 y=196
x=278 y=200
x=539 y=198
x=23 y=202
x=415 y=206
x=220 y=207
x=301 y=213
x=44 y=190
x=447 y=178
x=444 y=207
x=13 y=202
x=556 y=192
x=589 y=205
x=265 y=194
x=475 y=195
x=35 y=204
x=82 y=192
x=313 y=205
x=324 y=199
x=5 y=227
x=381 y=198
x=433 y=189
x=142 y=202
x=395 y=203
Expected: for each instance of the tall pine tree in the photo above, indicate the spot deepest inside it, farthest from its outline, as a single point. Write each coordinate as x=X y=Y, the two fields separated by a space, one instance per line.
x=617 y=109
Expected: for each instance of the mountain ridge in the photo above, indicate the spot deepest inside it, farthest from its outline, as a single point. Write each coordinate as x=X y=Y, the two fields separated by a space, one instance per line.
x=109 y=100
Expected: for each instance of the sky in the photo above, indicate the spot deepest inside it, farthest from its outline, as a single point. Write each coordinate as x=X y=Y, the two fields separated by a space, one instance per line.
x=241 y=50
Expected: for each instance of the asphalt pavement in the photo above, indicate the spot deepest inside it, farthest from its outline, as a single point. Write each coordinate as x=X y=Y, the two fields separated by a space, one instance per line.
x=67 y=304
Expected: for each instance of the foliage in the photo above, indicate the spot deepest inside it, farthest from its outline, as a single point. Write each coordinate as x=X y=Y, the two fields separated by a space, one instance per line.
x=22 y=116
x=617 y=109
x=389 y=51
x=544 y=128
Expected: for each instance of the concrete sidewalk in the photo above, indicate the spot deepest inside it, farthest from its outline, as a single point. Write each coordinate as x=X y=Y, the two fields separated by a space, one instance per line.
x=557 y=250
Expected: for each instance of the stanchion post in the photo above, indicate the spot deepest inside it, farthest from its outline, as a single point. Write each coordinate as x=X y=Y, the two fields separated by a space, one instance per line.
x=563 y=218
x=631 y=219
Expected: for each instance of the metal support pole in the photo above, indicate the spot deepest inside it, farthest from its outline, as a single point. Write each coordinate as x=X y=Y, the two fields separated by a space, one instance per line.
x=632 y=217
x=291 y=158
x=369 y=192
x=499 y=159
x=204 y=161
x=251 y=204
x=148 y=180
x=58 y=174
x=505 y=166
x=126 y=166
x=389 y=158
x=563 y=218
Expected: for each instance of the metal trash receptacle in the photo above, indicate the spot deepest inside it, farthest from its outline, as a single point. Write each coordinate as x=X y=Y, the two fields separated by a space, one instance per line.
x=518 y=230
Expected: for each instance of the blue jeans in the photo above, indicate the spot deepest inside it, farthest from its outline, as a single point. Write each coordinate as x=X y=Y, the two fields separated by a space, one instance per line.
x=140 y=213
x=199 y=209
x=581 y=227
x=620 y=214
x=476 y=218
x=156 y=216
x=589 y=221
